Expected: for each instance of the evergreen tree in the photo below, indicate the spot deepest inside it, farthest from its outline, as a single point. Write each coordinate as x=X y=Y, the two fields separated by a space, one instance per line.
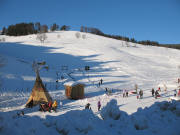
x=37 y=27
x=4 y=30
x=65 y=28
x=44 y=28
x=54 y=27
x=82 y=29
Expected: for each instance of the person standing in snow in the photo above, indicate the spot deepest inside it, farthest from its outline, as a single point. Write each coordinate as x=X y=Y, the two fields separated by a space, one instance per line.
x=101 y=80
x=88 y=106
x=54 y=105
x=159 y=89
x=156 y=94
x=99 y=84
x=175 y=93
x=50 y=105
x=126 y=93
x=137 y=96
x=179 y=93
x=152 y=92
x=99 y=105
x=141 y=94
x=106 y=90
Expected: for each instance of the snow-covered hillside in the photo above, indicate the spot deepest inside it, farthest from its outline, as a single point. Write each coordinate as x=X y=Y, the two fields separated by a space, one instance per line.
x=120 y=64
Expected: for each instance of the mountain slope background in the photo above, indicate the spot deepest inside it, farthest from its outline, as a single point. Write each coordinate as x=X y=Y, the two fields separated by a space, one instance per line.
x=120 y=64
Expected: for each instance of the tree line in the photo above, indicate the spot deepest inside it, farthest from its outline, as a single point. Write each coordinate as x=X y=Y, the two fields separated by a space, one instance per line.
x=99 y=32
x=30 y=28
x=34 y=28
x=143 y=42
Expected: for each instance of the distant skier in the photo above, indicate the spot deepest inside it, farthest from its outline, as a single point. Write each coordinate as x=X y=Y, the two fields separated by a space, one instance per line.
x=124 y=94
x=179 y=92
x=141 y=94
x=101 y=80
x=175 y=93
x=137 y=96
x=159 y=89
x=99 y=84
x=152 y=91
x=106 y=89
x=99 y=105
x=127 y=93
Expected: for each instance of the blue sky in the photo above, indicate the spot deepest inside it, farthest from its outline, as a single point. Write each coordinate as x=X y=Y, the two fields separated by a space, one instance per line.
x=157 y=20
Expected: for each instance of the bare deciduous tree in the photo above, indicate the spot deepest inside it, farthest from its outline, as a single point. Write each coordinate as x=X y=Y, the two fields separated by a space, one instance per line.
x=41 y=37
x=78 y=35
x=2 y=40
x=84 y=36
x=58 y=36
x=37 y=66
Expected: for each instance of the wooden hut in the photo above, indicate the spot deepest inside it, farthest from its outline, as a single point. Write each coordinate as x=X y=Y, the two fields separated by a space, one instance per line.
x=74 y=90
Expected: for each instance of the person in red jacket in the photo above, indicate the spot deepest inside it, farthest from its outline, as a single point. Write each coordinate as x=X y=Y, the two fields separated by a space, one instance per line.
x=50 y=105
x=179 y=92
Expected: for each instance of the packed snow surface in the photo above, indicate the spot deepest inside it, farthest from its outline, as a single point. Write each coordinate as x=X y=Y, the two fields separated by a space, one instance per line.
x=119 y=64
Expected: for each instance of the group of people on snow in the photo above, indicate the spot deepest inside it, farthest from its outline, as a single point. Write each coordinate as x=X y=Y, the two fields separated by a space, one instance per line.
x=48 y=106
x=87 y=106
x=156 y=93
x=100 y=82
x=140 y=94
x=125 y=93
x=108 y=91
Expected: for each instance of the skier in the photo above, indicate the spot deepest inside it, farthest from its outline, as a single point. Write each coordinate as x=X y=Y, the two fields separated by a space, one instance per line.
x=159 y=89
x=99 y=84
x=101 y=80
x=99 y=105
x=106 y=89
x=152 y=92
